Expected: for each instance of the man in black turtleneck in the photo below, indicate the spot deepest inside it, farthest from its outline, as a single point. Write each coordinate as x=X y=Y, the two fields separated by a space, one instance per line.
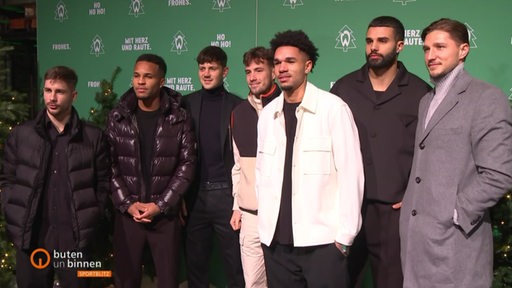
x=210 y=201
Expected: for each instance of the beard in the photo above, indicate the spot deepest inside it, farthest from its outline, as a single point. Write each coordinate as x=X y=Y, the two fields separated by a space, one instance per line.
x=386 y=61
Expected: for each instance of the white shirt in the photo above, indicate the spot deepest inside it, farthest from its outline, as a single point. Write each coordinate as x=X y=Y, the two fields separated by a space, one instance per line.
x=327 y=170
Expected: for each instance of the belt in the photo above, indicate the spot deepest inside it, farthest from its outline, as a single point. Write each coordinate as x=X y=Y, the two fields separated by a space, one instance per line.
x=253 y=212
x=214 y=185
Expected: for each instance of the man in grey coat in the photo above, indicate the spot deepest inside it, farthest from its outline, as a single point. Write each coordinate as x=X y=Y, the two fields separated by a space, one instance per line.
x=462 y=166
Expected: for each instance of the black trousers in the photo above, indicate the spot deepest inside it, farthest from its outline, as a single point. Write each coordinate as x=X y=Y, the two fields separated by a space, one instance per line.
x=162 y=237
x=210 y=215
x=379 y=242
x=29 y=277
x=315 y=266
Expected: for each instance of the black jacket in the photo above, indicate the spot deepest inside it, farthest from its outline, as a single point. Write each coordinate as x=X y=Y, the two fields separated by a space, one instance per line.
x=26 y=160
x=174 y=154
x=193 y=103
x=386 y=126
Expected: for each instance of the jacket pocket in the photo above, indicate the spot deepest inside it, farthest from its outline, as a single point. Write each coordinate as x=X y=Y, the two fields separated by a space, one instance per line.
x=266 y=157
x=317 y=155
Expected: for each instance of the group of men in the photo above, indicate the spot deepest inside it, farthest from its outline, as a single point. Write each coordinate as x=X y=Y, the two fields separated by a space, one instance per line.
x=300 y=186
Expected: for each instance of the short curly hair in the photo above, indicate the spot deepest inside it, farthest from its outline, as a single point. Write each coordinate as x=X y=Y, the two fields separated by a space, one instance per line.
x=298 y=39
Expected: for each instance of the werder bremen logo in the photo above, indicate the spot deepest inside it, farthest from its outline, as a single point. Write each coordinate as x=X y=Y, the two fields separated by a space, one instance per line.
x=61 y=13
x=345 y=39
x=136 y=8
x=404 y=2
x=293 y=3
x=179 y=44
x=221 y=5
x=472 y=37
x=97 y=46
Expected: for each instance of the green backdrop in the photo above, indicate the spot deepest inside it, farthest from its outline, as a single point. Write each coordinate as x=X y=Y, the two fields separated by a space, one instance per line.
x=94 y=37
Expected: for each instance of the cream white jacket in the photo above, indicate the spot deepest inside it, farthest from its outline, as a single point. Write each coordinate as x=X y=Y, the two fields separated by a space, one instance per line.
x=327 y=170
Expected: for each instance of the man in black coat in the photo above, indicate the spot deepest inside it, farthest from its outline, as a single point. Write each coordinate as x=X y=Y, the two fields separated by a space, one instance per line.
x=384 y=99
x=210 y=201
x=153 y=163
x=54 y=183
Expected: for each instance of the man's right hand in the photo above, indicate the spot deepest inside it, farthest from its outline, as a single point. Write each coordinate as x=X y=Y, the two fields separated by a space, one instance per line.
x=136 y=210
x=236 y=220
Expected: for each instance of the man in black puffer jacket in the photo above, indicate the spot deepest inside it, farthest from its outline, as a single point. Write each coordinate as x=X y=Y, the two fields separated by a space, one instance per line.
x=153 y=163
x=54 y=185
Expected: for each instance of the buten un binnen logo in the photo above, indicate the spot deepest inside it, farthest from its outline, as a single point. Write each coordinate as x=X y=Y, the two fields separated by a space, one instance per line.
x=136 y=8
x=179 y=44
x=61 y=13
x=221 y=5
x=97 y=46
x=345 y=39
x=292 y=3
x=41 y=254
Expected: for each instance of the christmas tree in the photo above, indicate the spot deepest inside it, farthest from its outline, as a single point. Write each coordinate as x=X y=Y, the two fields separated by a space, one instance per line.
x=106 y=99
x=13 y=110
x=502 y=234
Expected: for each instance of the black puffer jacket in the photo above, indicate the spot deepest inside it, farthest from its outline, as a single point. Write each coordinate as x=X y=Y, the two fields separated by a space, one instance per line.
x=26 y=160
x=174 y=153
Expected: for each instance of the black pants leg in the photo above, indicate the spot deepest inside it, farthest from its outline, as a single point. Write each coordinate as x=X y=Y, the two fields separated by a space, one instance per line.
x=211 y=213
x=164 y=241
x=129 y=240
x=315 y=266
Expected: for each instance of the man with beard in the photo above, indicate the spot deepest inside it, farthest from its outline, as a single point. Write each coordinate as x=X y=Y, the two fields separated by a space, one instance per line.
x=384 y=99
x=259 y=65
x=54 y=182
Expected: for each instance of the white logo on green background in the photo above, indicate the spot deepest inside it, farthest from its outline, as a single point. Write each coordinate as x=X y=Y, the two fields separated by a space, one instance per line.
x=97 y=46
x=404 y=2
x=178 y=3
x=221 y=5
x=292 y=3
x=345 y=39
x=61 y=12
x=136 y=8
x=179 y=43
x=472 y=37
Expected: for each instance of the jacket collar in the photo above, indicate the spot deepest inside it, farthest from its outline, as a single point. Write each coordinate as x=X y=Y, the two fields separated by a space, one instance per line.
x=74 y=120
x=169 y=101
x=401 y=79
x=309 y=101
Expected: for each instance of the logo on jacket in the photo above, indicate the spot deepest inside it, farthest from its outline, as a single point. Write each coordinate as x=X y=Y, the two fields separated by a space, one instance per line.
x=404 y=2
x=179 y=43
x=221 y=5
x=472 y=36
x=345 y=39
x=61 y=13
x=136 y=8
x=292 y=3
x=97 y=46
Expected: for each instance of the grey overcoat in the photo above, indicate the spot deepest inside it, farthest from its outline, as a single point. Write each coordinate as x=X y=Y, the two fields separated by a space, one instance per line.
x=462 y=162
